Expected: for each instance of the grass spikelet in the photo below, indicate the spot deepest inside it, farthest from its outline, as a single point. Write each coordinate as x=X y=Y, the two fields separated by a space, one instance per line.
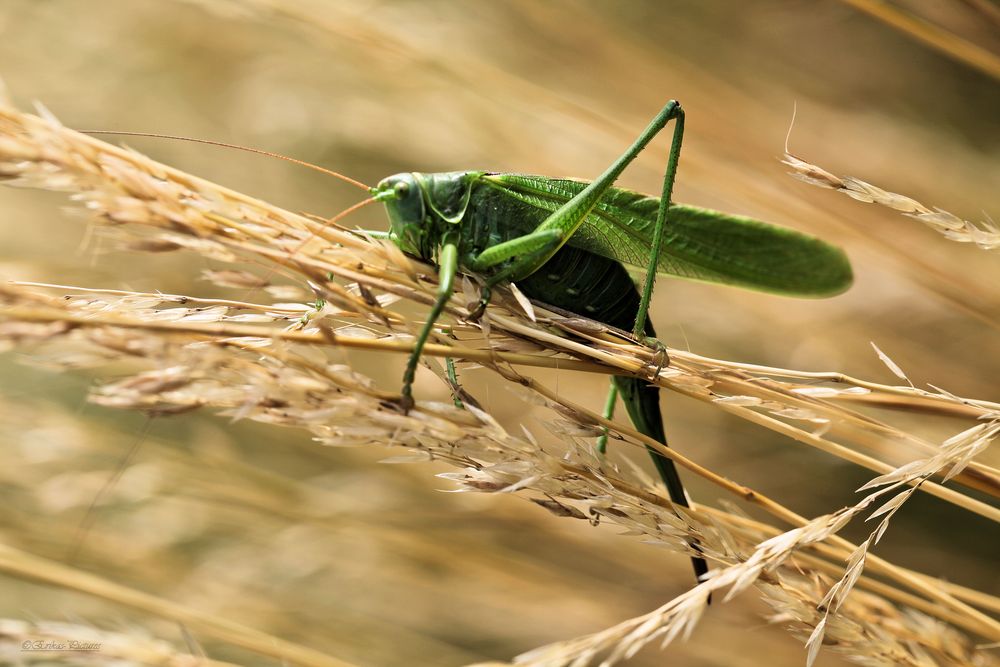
x=827 y=619
x=985 y=233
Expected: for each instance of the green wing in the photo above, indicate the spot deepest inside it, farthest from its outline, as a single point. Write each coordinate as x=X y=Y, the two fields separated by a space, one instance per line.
x=699 y=244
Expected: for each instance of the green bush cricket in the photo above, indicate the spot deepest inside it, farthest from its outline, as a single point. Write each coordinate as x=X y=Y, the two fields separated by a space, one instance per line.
x=566 y=242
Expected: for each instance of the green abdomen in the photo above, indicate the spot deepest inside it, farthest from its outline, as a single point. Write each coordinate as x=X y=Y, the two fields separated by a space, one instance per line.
x=588 y=284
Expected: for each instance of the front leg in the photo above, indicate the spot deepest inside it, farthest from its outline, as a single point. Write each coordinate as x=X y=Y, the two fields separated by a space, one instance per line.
x=447 y=267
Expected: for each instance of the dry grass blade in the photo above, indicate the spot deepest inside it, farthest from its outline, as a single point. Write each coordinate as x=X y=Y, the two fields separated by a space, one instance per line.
x=932 y=35
x=276 y=363
x=13 y=561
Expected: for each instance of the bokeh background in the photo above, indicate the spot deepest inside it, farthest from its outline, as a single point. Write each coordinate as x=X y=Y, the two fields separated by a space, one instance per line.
x=372 y=563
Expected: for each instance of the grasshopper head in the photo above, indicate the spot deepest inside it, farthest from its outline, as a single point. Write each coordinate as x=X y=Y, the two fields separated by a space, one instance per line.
x=404 y=203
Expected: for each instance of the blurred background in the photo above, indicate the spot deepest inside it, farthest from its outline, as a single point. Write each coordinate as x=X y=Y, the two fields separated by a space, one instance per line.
x=372 y=563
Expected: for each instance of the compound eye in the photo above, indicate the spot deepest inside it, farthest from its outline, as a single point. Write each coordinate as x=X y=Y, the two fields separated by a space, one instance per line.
x=401 y=189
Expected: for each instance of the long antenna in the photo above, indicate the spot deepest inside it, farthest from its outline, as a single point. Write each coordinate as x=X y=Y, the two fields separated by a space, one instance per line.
x=346 y=179
x=350 y=209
